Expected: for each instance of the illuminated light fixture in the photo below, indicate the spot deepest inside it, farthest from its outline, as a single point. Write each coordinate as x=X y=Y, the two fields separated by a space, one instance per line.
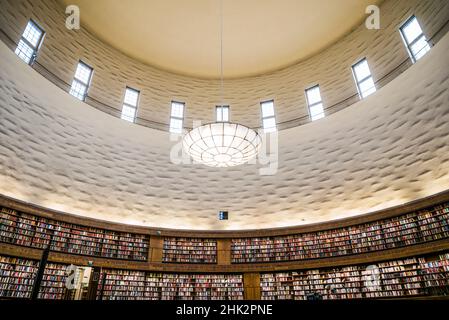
x=222 y=144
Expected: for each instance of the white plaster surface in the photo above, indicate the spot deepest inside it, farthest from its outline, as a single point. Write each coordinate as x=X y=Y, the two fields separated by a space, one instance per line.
x=113 y=71
x=389 y=149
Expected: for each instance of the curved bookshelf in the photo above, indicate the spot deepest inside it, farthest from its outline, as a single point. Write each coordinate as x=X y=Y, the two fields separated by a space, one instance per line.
x=189 y=250
x=412 y=225
x=398 y=278
x=421 y=276
x=140 y=285
x=23 y=229
x=406 y=246
x=417 y=227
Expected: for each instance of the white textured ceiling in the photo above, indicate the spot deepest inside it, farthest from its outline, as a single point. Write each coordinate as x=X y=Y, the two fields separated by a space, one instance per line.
x=183 y=35
x=386 y=150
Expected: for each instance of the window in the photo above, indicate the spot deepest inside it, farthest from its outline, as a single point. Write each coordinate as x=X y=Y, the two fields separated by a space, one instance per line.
x=268 y=117
x=222 y=113
x=81 y=81
x=30 y=42
x=177 y=117
x=316 y=110
x=414 y=39
x=363 y=78
x=130 y=102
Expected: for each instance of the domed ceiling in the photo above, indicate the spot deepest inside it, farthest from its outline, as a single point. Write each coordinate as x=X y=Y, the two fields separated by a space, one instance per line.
x=386 y=150
x=183 y=36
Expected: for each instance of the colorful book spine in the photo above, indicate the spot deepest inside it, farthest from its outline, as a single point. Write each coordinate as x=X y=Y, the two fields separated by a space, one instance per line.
x=33 y=231
x=189 y=250
x=138 y=285
x=409 y=229
x=398 y=278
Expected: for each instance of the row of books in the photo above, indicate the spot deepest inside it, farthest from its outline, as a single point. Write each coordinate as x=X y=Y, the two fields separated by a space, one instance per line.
x=30 y=223
x=53 y=285
x=436 y=274
x=189 y=250
x=397 y=278
x=33 y=231
x=27 y=230
x=17 y=277
x=413 y=228
x=407 y=277
x=139 y=285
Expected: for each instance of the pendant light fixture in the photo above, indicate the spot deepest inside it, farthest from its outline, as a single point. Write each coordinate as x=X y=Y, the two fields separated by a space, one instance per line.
x=222 y=144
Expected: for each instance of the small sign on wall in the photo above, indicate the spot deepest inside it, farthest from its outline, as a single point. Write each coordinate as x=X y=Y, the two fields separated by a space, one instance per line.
x=222 y=215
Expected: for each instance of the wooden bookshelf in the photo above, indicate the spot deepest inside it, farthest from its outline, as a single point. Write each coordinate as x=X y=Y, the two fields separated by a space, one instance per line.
x=189 y=250
x=362 y=218
x=424 y=276
x=405 y=230
x=139 y=285
x=121 y=285
x=17 y=277
x=392 y=279
x=53 y=285
x=435 y=275
x=34 y=231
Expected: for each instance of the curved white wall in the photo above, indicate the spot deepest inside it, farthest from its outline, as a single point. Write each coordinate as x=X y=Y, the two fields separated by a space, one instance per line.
x=388 y=149
x=62 y=49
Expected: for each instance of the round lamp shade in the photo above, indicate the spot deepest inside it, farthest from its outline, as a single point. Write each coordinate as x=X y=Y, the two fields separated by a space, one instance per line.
x=222 y=144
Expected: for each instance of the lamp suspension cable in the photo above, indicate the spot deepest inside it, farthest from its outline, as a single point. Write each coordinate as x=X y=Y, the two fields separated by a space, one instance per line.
x=222 y=144
x=221 y=55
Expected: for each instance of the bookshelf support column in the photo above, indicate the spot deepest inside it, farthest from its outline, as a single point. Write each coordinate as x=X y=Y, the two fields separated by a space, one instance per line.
x=40 y=273
x=224 y=251
x=251 y=286
x=156 y=246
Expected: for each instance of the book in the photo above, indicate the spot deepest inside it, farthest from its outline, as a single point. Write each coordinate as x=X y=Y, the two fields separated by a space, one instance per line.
x=139 y=285
x=32 y=231
x=17 y=277
x=189 y=250
x=396 y=278
x=405 y=230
